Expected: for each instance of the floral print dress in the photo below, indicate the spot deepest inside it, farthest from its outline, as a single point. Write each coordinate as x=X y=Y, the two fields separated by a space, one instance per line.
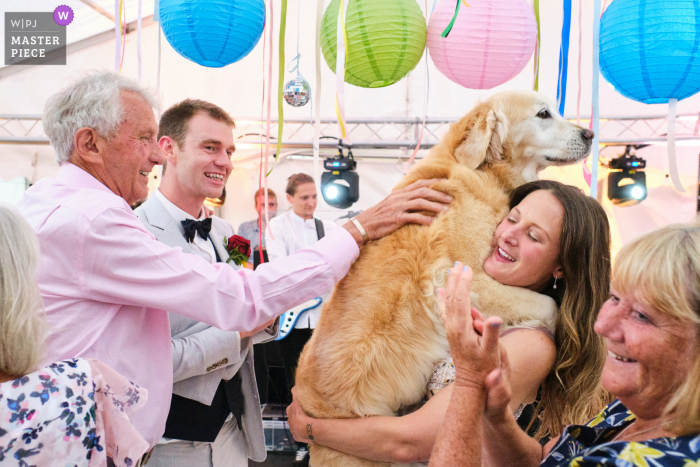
x=71 y=413
x=591 y=445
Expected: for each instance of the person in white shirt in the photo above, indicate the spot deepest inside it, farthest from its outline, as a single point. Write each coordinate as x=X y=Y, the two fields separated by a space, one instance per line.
x=294 y=230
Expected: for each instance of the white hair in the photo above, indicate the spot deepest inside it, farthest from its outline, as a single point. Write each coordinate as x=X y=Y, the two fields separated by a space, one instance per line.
x=22 y=321
x=91 y=102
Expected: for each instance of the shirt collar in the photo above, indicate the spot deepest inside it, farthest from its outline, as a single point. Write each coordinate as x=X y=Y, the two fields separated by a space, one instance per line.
x=178 y=214
x=72 y=175
x=297 y=218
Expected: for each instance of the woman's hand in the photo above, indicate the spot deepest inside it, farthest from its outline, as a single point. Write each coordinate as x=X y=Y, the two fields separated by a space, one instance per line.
x=499 y=392
x=473 y=341
x=401 y=207
x=300 y=424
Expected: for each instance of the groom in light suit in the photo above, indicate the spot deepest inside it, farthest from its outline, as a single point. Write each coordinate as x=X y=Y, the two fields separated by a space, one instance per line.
x=214 y=416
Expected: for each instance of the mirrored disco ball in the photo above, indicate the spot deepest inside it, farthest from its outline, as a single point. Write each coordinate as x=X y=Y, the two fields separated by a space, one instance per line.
x=297 y=92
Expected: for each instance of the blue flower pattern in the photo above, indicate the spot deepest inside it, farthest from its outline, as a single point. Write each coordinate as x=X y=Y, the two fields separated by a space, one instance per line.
x=22 y=427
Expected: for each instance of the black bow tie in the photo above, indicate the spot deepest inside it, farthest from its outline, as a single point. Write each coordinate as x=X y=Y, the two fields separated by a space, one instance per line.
x=193 y=228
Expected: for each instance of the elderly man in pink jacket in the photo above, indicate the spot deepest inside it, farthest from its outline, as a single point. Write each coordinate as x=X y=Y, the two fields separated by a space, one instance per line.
x=106 y=281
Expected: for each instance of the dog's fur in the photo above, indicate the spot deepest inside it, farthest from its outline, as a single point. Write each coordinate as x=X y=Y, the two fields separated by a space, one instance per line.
x=380 y=334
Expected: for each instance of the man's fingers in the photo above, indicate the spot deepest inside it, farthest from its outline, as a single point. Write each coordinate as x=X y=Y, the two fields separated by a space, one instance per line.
x=415 y=218
x=423 y=204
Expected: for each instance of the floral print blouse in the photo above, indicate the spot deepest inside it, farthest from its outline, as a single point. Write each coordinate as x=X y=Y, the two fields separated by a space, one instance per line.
x=591 y=445
x=71 y=413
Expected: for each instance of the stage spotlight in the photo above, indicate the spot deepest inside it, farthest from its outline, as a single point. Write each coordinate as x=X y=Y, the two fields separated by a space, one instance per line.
x=627 y=184
x=340 y=186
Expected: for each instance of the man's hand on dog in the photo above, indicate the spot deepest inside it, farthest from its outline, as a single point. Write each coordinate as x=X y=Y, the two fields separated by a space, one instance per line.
x=401 y=207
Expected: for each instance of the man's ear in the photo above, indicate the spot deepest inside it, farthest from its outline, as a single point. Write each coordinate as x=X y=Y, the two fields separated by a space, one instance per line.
x=484 y=142
x=289 y=198
x=88 y=145
x=167 y=146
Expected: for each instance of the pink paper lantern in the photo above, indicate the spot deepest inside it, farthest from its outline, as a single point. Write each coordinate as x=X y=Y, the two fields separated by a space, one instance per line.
x=490 y=42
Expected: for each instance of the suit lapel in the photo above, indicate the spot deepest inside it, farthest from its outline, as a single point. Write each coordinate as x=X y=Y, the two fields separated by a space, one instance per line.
x=217 y=236
x=160 y=218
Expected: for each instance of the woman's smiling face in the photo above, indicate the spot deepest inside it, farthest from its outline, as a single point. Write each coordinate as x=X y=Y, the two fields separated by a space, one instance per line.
x=649 y=353
x=526 y=243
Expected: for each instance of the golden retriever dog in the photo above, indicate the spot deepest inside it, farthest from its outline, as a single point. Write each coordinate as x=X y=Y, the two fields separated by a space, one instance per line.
x=380 y=334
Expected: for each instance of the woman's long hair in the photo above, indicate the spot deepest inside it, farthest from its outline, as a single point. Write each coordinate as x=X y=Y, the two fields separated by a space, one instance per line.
x=571 y=393
x=22 y=321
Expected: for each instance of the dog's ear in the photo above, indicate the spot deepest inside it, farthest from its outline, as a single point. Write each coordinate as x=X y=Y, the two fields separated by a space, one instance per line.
x=484 y=140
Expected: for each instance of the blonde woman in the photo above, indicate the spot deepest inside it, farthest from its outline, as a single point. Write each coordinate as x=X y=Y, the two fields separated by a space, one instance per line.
x=651 y=329
x=557 y=242
x=73 y=412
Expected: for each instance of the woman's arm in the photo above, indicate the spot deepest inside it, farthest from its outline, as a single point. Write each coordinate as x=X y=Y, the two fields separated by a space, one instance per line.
x=386 y=439
x=411 y=438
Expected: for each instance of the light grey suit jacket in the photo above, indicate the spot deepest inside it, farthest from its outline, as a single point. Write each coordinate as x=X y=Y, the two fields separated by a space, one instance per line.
x=204 y=355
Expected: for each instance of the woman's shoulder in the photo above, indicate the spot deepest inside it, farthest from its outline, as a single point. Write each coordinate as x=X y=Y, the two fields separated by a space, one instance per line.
x=593 y=444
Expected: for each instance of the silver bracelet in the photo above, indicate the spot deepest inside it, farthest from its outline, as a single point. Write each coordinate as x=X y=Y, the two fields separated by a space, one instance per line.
x=365 y=237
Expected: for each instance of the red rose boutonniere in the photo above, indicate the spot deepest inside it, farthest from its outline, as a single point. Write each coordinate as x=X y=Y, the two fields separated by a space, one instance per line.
x=238 y=249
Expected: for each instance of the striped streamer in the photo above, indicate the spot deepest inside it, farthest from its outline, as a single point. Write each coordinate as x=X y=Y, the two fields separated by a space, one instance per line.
x=564 y=57
x=595 y=97
x=340 y=69
x=536 y=7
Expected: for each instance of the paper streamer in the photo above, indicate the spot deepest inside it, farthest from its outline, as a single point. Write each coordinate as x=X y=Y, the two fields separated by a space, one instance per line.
x=121 y=63
x=564 y=57
x=317 y=110
x=260 y=171
x=427 y=90
x=271 y=22
x=536 y=7
x=280 y=81
x=340 y=69
x=595 y=96
x=117 y=35
x=671 y=148
x=138 y=39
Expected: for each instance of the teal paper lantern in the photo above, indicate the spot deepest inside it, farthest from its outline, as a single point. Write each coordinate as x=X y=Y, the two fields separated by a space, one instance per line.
x=386 y=39
x=212 y=33
x=649 y=49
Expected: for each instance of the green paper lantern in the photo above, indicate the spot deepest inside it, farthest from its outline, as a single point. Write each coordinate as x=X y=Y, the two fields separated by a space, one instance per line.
x=386 y=39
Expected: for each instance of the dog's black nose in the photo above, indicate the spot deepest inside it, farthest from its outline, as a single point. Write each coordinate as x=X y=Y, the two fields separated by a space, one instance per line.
x=587 y=134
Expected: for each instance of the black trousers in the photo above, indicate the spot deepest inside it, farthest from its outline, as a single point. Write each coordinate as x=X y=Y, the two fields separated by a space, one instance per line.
x=275 y=365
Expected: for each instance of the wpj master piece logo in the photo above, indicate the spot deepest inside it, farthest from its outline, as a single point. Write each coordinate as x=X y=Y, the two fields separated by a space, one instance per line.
x=37 y=38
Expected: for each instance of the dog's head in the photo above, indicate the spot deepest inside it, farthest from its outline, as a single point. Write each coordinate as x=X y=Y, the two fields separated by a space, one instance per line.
x=518 y=129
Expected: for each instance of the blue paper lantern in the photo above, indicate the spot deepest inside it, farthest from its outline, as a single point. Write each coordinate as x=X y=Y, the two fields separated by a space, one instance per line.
x=649 y=49
x=212 y=33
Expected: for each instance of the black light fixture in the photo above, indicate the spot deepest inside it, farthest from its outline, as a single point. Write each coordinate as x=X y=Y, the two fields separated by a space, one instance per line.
x=340 y=185
x=627 y=183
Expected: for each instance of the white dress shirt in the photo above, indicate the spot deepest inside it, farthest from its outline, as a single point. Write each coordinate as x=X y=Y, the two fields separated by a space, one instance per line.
x=204 y=246
x=292 y=233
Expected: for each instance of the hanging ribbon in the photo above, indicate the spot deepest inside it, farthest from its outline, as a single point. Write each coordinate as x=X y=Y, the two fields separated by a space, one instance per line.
x=260 y=171
x=586 y=170
x=595 y=99
x=536 y=7
x=117 y=34
x=342 y=43
x=138 y=39
x=280 y=82
x=447 y=30
x=671 y=145
x=564 y=57
x=269 y=88
x=427 y=89
x=160 y=32
x=293 y=64
x=317 y=113
x=124 y=35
